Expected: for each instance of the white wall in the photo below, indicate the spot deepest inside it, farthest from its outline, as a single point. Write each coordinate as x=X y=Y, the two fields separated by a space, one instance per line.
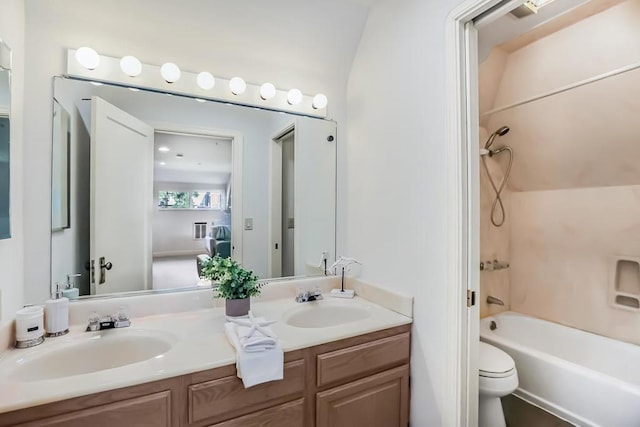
x=11 y=256
x=257 y=45
x=396 y=178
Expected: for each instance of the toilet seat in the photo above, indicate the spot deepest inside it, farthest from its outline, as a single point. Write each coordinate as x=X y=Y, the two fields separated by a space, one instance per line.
x=493 y=362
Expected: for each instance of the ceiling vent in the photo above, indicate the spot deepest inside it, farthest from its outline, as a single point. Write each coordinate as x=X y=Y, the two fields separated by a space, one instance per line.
x=524 y=10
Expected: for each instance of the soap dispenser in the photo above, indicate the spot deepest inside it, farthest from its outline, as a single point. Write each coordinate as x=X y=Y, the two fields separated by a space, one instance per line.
x=56 y=314
x=70 y=291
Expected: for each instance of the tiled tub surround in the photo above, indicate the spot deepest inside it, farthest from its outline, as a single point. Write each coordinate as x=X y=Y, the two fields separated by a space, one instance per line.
x=199 y=340
x=562 y=246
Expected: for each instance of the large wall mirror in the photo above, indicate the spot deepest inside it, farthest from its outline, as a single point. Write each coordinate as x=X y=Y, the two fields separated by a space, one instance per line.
x=5 y=170
x=145 y=183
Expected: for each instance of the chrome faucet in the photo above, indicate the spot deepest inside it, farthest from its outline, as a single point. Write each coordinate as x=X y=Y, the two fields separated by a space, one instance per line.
x=99 y=323
x=494 y=300
x=306 y=296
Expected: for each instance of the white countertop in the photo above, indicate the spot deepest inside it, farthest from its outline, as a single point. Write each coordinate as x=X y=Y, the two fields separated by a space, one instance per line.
x=199 y=344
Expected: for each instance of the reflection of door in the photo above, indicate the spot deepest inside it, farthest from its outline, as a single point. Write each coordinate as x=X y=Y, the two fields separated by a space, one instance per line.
x=121 y=199
x=288 y=218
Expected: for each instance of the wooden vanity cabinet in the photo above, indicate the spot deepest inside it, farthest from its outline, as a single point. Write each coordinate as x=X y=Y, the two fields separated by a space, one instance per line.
x=150 y=404
x=359 y=381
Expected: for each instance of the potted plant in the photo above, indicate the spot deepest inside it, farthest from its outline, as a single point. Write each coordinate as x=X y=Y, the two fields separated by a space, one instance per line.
x=235 y=284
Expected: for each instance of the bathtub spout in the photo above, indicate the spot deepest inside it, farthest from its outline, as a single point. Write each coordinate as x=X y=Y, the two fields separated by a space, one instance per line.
x=494 y=300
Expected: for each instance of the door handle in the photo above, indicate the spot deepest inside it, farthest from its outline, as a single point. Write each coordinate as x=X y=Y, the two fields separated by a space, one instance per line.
x=103 y=269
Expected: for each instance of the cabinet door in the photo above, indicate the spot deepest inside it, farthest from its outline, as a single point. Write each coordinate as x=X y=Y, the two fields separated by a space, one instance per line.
x=153 y=410
x=288 y=415
x=380 y=400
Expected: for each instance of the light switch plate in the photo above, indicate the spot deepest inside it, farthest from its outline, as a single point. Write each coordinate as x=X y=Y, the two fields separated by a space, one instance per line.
x=248 y=223
x=290 y=223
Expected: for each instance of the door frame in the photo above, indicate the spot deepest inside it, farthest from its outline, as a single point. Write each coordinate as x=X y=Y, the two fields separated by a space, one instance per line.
x=460 y=402
x=237 y=168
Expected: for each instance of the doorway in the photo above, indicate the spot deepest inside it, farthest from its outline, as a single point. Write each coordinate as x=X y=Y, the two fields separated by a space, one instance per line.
x=465 y=53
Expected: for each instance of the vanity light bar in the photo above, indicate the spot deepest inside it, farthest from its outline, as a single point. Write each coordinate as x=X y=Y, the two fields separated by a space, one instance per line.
x=235 y=91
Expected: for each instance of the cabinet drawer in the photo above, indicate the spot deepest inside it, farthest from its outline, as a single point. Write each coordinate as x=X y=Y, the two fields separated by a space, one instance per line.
x=288 y=415
x=151 y=410
x=360 y=360
x=225 y=398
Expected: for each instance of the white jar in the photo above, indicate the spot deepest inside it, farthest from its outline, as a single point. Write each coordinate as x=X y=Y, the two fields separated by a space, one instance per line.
x=29 y=327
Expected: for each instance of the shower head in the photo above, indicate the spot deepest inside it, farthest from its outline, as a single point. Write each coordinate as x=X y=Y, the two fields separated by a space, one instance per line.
x=503 y=130
x=500 y=132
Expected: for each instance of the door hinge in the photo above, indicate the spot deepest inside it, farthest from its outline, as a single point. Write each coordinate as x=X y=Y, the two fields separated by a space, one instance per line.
x=471 y=298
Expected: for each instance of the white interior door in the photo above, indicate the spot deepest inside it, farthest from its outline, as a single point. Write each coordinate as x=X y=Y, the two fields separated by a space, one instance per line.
x=121 y=199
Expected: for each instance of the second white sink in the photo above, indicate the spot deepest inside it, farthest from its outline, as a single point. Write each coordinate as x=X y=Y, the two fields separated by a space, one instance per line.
x=326 y=313
x=90 y=353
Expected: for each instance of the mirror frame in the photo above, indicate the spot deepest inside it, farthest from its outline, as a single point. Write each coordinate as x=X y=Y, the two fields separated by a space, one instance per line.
x=213 y=285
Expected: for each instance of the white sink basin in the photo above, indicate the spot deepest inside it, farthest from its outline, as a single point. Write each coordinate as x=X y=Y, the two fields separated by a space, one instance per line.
x=94 y=352
x=325 y=313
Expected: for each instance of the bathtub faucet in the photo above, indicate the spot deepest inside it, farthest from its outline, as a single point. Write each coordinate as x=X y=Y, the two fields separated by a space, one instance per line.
x=494 y=300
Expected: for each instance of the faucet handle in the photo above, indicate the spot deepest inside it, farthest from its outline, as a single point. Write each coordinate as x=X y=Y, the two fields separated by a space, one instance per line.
x=94 y=321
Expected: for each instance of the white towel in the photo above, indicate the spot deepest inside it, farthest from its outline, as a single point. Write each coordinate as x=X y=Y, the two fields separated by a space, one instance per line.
x=259 y=354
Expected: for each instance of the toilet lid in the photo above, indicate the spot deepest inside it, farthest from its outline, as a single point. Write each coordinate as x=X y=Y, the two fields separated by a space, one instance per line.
x=493 y=362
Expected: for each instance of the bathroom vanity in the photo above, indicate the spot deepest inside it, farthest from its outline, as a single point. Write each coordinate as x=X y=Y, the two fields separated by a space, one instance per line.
x=356 y=373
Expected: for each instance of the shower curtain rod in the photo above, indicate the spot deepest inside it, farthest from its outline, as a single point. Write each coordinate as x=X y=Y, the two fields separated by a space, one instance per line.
x=565 y=88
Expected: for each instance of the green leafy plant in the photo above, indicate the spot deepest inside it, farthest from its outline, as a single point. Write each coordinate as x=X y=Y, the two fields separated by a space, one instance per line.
x=234 y=282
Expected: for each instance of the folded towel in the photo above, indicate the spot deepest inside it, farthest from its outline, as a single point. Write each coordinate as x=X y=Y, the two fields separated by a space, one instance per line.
x=259 y=354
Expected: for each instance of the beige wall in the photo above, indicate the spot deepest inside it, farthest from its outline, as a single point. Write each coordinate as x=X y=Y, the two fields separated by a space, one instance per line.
x=11 y=259
x=561 y=141
x=590 y=47
x=575 y=184
x=561 y=247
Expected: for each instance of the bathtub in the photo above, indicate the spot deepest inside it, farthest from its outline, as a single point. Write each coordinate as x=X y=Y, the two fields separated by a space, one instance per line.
x=586 y=379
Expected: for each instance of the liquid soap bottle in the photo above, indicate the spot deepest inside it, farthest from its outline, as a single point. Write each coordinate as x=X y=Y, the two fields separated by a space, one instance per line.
x=70 y=291
x=56 y=314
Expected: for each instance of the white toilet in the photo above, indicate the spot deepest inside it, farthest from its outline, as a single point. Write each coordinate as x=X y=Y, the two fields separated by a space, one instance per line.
x=498 y=377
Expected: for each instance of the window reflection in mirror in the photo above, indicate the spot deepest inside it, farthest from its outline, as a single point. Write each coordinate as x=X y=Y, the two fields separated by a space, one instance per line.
x=5 y=132
x=215 y=188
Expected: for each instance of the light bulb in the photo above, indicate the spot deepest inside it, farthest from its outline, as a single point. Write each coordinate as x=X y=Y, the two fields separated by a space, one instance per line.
x=206 y=80
x=320 y=101
x=267 y=91
x=88 y=58
x=170 y=72
x=294 y=97
x=237 y=86
x=131 y=66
